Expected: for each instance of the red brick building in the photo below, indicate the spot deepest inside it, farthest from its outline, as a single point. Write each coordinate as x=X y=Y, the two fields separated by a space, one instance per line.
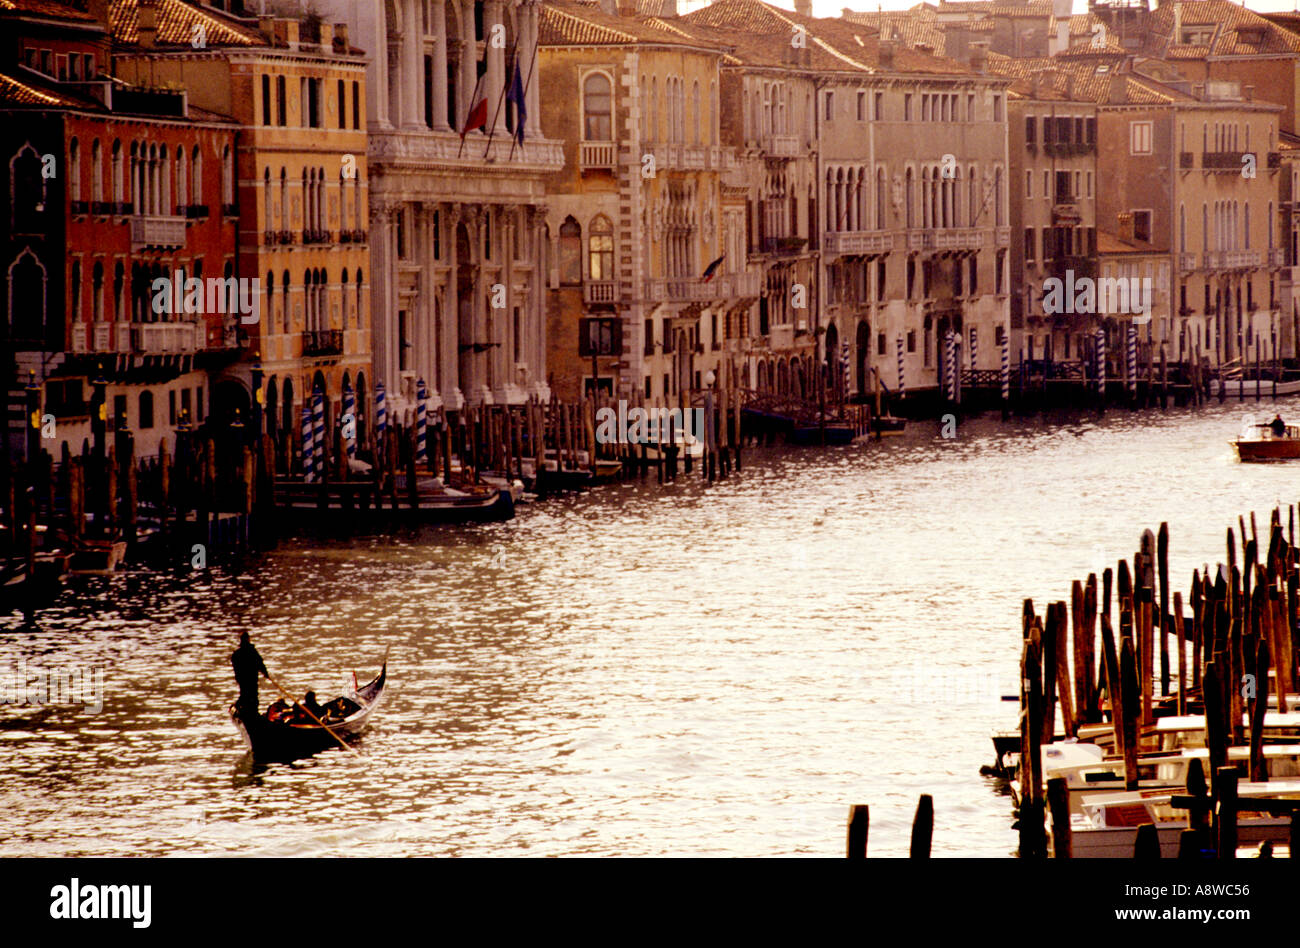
x=107 y=190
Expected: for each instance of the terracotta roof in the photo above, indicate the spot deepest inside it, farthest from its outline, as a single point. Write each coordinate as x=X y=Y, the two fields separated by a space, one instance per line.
x=176 y=25
x=569 y=23
x=1033 y=8
x=45 y=8
x=833 y=44
x=1108 y=243
x=30 y=93
x=1089 y=85
x=910 y=27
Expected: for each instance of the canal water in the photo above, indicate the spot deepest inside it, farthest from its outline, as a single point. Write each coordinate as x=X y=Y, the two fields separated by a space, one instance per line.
x=641 y=670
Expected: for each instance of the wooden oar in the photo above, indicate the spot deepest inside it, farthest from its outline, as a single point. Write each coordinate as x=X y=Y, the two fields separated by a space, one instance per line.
x=286 y=697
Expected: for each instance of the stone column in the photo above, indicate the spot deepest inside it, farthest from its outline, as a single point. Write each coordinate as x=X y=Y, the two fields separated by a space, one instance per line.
x=449 y=344
x=494 y=81
x=439 y=28
x=383 y=275
x=504 y=356
x=531 y=13
x=534 y=349
x=411 y=74
x=468 y=73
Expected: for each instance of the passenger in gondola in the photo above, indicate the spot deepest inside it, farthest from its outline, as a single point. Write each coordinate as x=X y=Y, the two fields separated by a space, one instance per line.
x=311 y=705
x=1278 y=426
x=248 y=665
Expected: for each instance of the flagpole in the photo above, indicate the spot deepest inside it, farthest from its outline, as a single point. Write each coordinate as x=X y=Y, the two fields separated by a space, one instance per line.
x=472 y=100
x=527 y=82
x=501 y=98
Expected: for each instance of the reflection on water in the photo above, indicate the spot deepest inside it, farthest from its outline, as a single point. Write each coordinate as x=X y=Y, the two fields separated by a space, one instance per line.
x=642 y=670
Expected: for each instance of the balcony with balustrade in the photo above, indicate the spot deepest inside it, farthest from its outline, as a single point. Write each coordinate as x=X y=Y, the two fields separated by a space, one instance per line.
x=157 y=232
x=858 y=241
x=1224 y=160
x=597 y=156
x=1232 y=259
x=167 y=338
x=322 y=342
x=599 y=291
x=780 y=146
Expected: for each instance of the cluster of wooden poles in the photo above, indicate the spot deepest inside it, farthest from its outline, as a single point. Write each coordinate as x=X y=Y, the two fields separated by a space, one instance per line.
x=1242 y=623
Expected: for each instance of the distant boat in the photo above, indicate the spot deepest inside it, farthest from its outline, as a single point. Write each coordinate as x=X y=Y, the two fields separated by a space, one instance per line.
x=289 y=739
x=296 y=500
x=1269 y=446
x=835 y=433
x=1235 y=388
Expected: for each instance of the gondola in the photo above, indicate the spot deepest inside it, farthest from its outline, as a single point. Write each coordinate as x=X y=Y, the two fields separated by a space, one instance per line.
x=280 y=740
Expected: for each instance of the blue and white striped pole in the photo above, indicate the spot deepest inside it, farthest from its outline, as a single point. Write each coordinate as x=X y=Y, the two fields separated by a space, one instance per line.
x=974 y=348
x=902 y=379
x=318 y=432
x=950 y=364
x=421 y=424
x=1006 y=366
x=846 y=365
x=308 y=471
x=350 y=412
x=381 y=408
x=1132 y=361
x=1101 y=362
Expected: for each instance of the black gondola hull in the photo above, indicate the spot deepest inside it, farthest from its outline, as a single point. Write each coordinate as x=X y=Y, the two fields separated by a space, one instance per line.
x=280 y=741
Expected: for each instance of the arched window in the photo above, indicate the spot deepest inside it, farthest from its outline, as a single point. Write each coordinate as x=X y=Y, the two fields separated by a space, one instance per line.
x=119 y=289
x=908 y=201
x=268 y=217
x=115 y=170
x=227 y=177
x=196 y=176
x=164 y=172
x=600 y=243
x=146 y=409
x=360 y=310
x=880 y=199
x=97 y=291
x=96 y=172
x=652 y=123
x=286 y=314
x=713 y=113
x=182 y=181
x=269 y=315
x=74 y=170
x=27 y=279
x=596 y=101
x=696 y=113
x=74 y=293
x=570 y=251
x=343 y=282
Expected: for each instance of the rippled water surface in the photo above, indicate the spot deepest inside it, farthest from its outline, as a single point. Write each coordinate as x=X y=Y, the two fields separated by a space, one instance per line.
x=641 y=670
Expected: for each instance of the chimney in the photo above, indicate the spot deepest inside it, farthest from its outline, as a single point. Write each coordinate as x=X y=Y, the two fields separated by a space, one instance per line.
x=1118 y=93
x=803 y=7
x=327 y=36
x=621 y=7
x=667 y=9
x=979 y=56
x=341 y=34
x=1125 y=226
x=886 y=54
x=148 y=27
x=609 y=6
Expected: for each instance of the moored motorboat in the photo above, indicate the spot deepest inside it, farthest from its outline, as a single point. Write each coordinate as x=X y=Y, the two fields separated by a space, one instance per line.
x=292 y=738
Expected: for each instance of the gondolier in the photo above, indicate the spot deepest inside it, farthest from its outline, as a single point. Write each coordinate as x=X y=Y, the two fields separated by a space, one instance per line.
x=248 y=665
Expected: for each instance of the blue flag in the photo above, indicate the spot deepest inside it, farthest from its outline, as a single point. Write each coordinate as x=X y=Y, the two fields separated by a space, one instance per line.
x=516 y=95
